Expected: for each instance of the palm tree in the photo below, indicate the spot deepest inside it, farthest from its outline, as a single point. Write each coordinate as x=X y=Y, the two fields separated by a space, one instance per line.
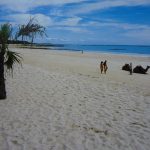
x=36 y=29
x=23 y=32
x=30 y=30
x=7 y=58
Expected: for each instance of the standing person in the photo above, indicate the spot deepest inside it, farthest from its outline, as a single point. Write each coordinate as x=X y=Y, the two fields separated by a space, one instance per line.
x=105 y=66
x=101 y=67
x=130 y=68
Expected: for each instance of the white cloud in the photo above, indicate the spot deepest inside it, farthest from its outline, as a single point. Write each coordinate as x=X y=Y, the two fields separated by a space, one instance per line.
x=125 y=26
x=72 y=29
x=73 y=21
x=24 y=18
x=142 y=36
x=121 y=32
x=115 y=24
x=131 y=33
x=43 y=20
x=89 y=7
x=76 y=29
x=56 y=12
x=26 y=5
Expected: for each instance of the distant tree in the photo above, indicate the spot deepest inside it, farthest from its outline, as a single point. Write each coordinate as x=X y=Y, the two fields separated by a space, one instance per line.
x=36 y=29
x=7 y=57
x=22 y=32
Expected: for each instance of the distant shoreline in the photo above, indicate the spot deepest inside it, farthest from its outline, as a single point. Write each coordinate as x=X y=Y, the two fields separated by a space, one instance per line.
x=61 y=47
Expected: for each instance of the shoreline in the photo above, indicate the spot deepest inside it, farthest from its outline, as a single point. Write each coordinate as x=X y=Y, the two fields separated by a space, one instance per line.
x=107 y=53
x=55 y=48
x=122 y=54
x=99 y=52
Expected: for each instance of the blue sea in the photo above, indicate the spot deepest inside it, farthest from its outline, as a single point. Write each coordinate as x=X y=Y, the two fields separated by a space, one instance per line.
x=116 y=49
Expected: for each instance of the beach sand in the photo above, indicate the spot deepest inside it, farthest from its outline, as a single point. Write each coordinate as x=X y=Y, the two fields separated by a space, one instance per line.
x=58 y=100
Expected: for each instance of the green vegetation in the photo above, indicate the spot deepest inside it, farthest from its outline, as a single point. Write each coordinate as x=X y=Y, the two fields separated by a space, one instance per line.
x=30 y=30
x=9 y=58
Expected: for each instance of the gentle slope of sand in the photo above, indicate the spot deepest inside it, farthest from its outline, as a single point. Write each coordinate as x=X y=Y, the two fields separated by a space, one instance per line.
x=60 y=101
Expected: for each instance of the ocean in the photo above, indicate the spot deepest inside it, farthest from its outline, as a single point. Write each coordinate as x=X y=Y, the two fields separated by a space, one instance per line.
x=116 y=49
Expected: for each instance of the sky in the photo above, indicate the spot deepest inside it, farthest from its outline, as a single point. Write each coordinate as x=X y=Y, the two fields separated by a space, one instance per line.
x=124 y=22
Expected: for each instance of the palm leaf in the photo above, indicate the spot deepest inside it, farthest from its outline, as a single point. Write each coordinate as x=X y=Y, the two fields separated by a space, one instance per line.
x=11 y=58
x=31 y=29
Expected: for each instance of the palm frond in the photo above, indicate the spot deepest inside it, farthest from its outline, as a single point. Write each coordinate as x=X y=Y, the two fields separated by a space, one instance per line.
x=11 y=58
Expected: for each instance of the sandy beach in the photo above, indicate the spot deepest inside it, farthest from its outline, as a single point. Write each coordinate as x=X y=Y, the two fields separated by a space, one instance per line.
x=58 y=100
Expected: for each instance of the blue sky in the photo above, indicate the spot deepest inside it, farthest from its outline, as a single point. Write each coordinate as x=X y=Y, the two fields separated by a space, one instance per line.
x=84 y=21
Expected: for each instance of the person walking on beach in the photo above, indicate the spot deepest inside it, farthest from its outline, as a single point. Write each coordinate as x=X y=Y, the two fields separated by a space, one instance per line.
x=101 y=67
x=105 y=67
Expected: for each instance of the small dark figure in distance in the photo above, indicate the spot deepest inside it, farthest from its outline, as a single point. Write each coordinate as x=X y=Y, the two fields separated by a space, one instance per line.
x=101 y=67
x=105 y=67
x=130 y=68
x=140 y=69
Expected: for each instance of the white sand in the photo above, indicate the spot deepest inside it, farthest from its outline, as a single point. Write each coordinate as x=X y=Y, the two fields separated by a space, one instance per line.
x=60 y=101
